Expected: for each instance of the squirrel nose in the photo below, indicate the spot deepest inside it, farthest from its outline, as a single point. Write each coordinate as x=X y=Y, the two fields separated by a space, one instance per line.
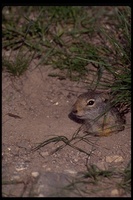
x=74 y=111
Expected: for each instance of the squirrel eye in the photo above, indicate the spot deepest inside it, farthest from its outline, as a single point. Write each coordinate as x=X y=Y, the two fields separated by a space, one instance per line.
x=90 y=102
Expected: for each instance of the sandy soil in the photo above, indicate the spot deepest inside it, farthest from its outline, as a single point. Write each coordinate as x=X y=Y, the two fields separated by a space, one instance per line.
x=43 y=104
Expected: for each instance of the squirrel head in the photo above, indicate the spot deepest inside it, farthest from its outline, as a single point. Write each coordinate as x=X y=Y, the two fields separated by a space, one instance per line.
x=89 y=105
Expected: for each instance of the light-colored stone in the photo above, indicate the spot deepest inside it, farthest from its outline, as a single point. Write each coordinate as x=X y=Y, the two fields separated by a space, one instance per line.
x=35 y=174
x=40 y=195
x=114 y=158
x=20 y=168
x=70 y=171
x=102 y=165
x=57 y=103
x=115 y=192
x=45 y=153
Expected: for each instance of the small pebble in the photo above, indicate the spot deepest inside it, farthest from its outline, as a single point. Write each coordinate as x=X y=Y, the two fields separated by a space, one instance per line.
x=56 y=103
x=40 y=195
x=20 y=168
x=35 y=174
x=115 y=192
x=44 y=153
x=70 y=171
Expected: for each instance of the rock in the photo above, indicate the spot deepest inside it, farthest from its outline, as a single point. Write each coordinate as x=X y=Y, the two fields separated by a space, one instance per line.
x=114 y=192
x=35 y=174
x=20 y=168
x=102 y=165
x=114 y=158
x=70 y=171
x=51 y=184
x=45 y=153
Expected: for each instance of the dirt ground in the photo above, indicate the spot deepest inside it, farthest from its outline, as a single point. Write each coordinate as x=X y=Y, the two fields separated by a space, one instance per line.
x=43 y=104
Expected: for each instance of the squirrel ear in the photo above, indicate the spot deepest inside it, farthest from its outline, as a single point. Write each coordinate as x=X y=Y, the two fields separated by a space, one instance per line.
x=105 y=96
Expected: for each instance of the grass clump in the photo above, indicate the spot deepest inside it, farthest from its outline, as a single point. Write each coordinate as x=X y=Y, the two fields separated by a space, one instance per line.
x=16 y=67
x=62 y=34
x=125 y=183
